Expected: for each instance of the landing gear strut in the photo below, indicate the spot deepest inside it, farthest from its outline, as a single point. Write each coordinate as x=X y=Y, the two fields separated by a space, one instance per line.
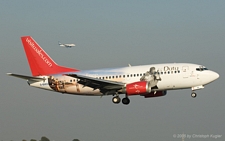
x=193 y=95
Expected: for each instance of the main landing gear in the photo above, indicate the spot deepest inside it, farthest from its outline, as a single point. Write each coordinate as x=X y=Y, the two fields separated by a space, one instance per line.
x=193 y=95
x=116 y=100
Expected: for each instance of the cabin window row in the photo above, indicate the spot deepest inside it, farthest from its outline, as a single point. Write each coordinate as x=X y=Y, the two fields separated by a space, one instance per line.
x=120 y=76
x=169 y=72
x=136 y=75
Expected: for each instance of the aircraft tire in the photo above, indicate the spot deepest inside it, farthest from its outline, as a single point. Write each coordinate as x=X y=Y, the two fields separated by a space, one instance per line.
x=126 y=101
x=116 y=100
x=193 y=95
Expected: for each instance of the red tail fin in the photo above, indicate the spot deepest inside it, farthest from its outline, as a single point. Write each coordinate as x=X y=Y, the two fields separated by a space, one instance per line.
x=39 y=61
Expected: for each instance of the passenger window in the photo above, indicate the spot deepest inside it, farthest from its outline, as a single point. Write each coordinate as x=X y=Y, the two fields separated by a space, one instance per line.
x=127 y=75
x=137 y=75
x=124 y=76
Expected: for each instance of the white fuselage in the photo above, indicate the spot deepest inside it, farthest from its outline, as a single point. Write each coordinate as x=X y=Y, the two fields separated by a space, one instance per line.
x=67 y=45
x=162 y=77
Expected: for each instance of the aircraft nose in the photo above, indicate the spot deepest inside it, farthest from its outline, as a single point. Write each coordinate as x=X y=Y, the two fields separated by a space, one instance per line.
x=215 y=75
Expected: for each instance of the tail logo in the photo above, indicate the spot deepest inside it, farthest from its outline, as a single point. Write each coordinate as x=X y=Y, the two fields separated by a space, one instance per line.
x=39 y=52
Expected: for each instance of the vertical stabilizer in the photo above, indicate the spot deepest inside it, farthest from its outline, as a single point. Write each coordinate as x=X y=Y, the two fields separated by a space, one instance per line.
x=39 y=61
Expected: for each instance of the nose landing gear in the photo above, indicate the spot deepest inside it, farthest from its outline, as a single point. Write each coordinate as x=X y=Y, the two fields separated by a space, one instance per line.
x=193 y=95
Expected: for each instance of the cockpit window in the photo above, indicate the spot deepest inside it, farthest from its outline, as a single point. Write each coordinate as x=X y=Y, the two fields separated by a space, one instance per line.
x=201 y=68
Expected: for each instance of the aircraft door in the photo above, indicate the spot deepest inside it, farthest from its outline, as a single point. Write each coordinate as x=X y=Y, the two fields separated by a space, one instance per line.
x=185 y=71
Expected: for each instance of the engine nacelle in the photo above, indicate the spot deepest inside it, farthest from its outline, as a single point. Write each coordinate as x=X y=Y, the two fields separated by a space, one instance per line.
x=155 y=94
x=137 y=88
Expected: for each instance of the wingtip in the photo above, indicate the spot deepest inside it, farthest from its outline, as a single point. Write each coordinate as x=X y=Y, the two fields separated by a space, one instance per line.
x=9 y=73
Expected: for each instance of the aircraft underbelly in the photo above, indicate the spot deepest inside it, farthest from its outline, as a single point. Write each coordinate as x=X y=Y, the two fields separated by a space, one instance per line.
x=64 y=87
x=41 y=85
x=172 y=82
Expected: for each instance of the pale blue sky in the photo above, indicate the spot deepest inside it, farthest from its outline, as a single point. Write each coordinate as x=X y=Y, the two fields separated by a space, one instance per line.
x=112 y=34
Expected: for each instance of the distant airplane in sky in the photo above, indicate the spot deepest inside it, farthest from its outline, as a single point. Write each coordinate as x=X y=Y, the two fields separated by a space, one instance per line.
x=66 y=45
x=145 y=80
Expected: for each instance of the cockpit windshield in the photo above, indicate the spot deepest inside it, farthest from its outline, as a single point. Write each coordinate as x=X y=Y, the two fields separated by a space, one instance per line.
x=201 y=68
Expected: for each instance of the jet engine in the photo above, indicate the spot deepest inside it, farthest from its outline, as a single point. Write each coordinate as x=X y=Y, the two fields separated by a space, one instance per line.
x=141 y=88
x=137 y=88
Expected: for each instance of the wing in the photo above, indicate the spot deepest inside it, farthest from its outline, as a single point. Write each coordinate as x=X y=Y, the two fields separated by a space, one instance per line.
x=105 y=86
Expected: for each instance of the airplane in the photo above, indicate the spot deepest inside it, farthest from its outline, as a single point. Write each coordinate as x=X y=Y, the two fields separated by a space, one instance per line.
x=148 y=81
x=66 y=45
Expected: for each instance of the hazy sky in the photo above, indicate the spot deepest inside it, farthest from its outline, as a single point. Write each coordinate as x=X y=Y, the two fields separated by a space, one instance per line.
x=112 y=34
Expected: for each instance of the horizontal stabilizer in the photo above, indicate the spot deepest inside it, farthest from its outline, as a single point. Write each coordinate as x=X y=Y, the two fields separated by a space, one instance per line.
x=26 y=77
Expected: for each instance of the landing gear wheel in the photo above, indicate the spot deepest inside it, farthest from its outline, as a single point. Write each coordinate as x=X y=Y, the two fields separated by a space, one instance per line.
x=116 y=100
x=193 y=95
x=126 y=101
